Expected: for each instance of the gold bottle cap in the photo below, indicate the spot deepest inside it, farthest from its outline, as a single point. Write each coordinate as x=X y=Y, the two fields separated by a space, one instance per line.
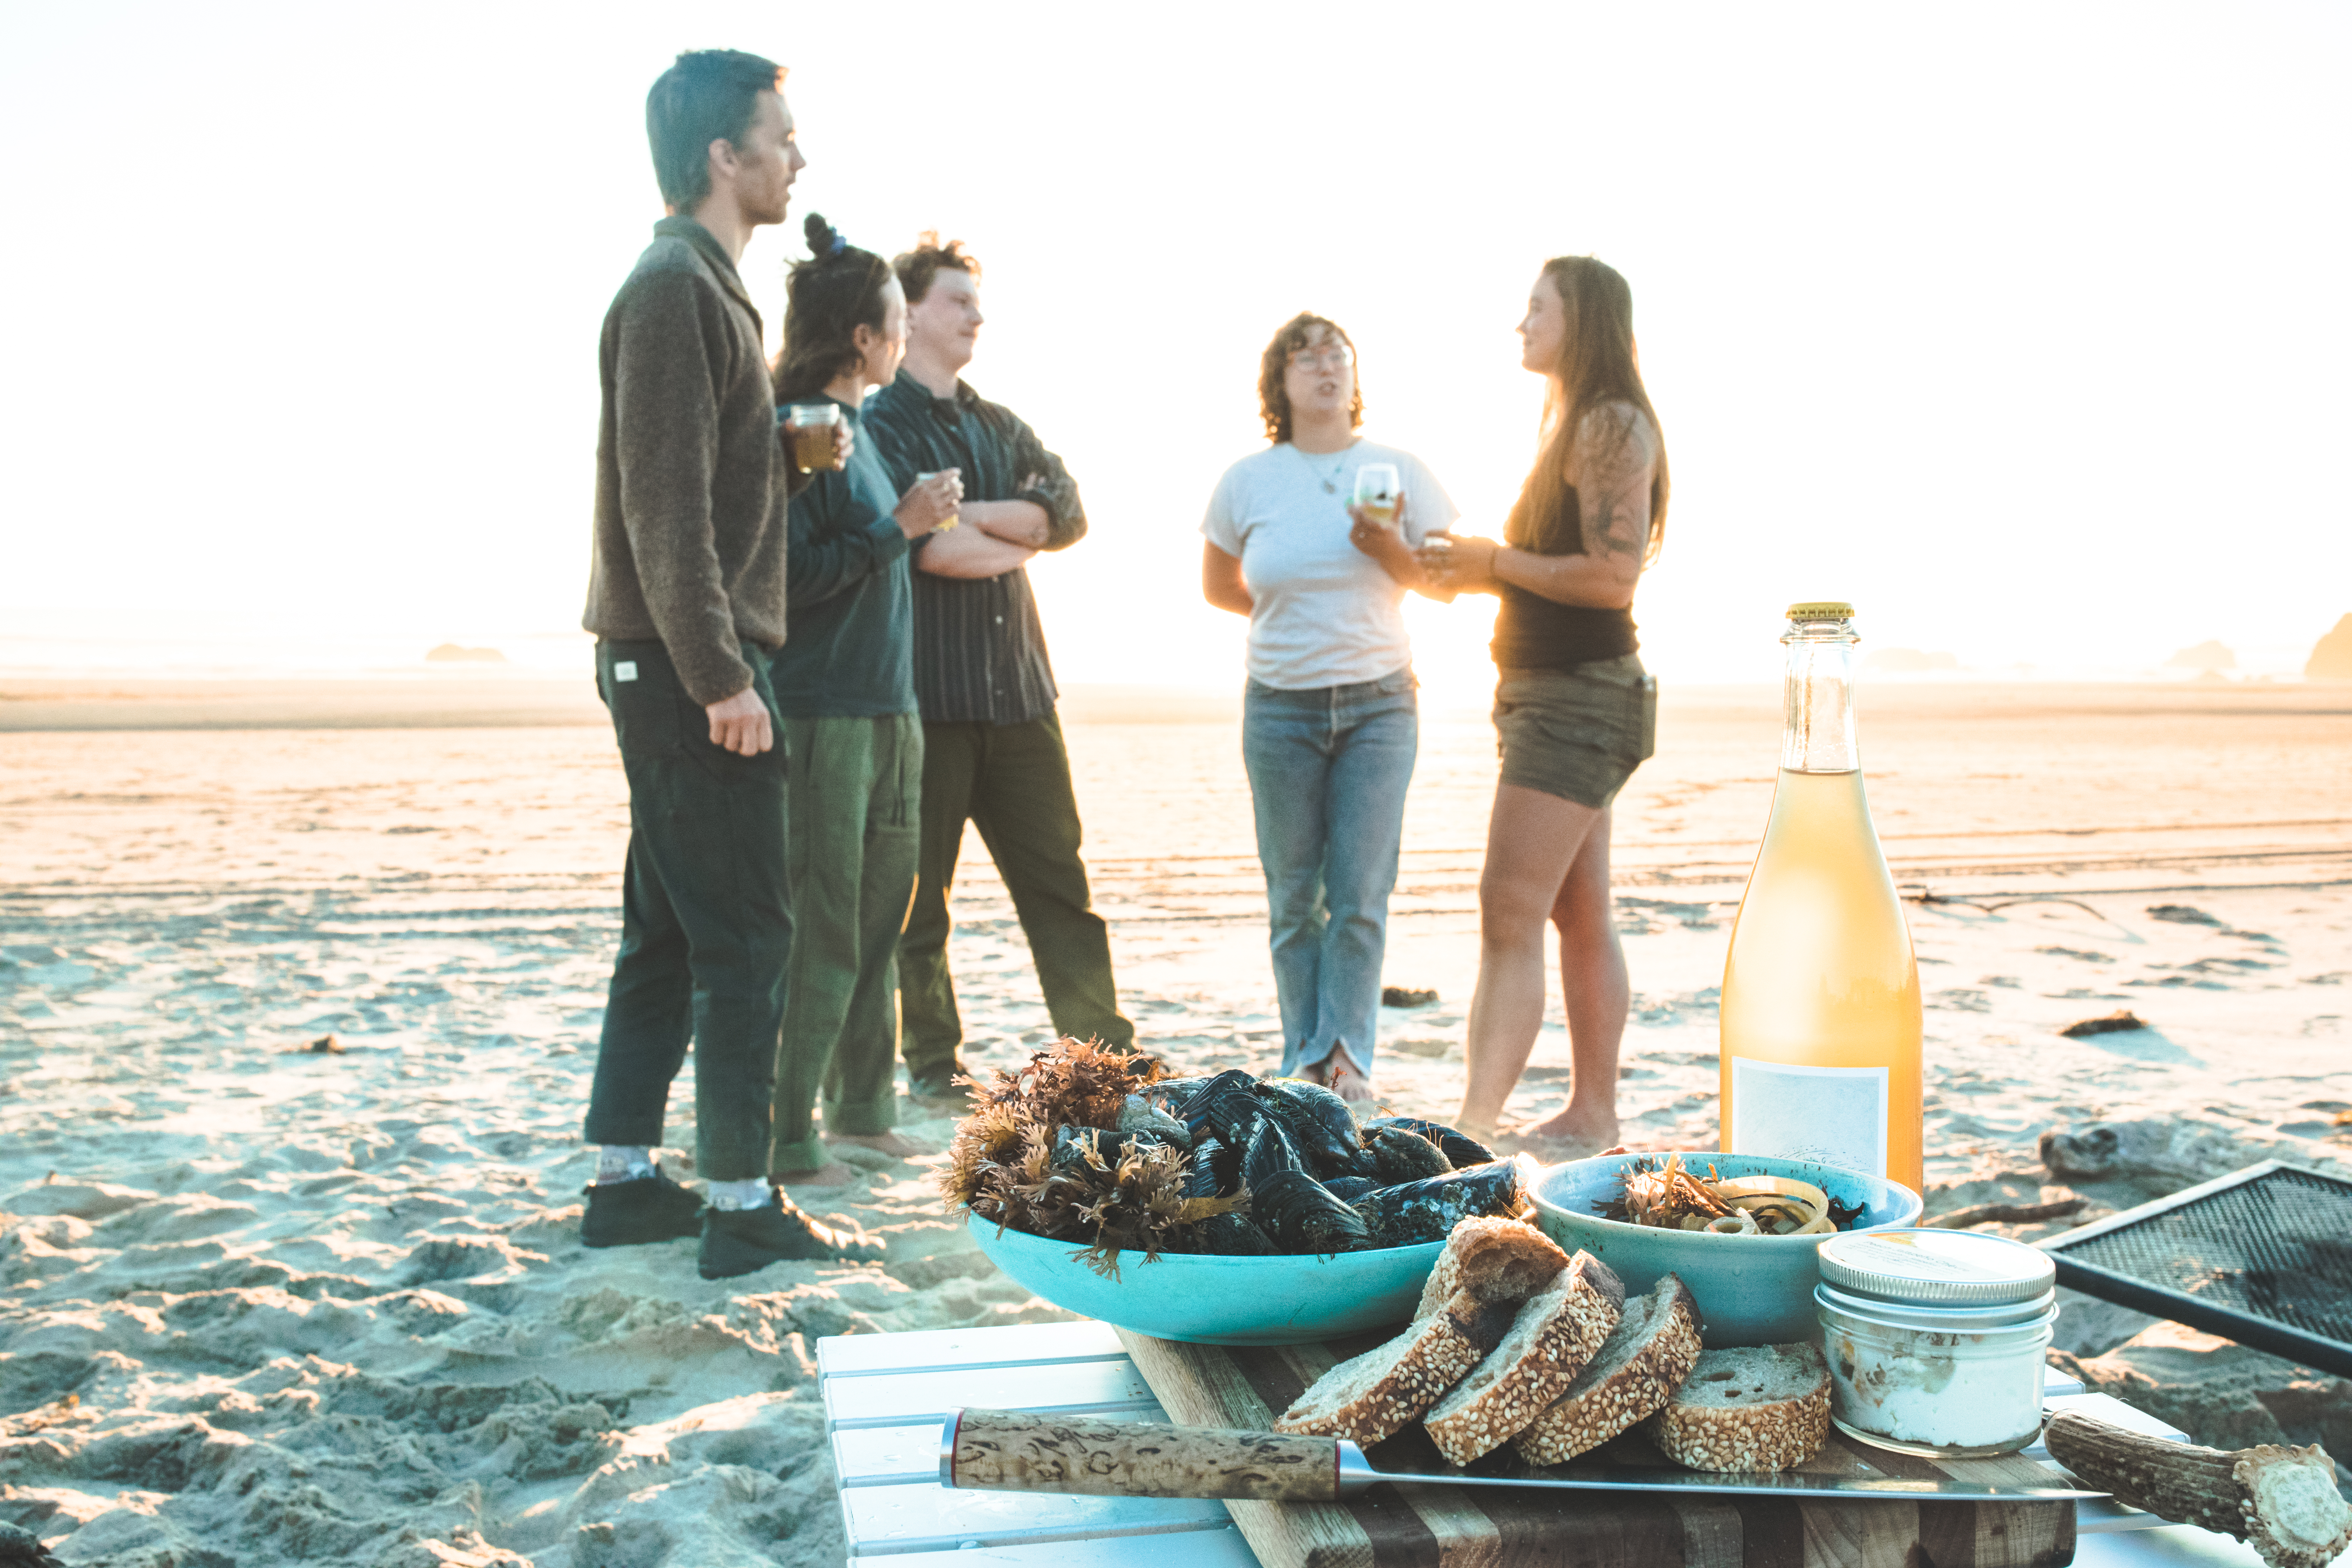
x=1821 y=610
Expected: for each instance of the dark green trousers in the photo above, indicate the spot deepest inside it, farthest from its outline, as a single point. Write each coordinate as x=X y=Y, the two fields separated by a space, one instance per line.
x=705 y=931
x=1013 y=782
x=852 y=849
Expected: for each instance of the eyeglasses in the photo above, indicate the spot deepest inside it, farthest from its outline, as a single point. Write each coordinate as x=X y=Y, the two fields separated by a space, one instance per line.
x=1323 y=359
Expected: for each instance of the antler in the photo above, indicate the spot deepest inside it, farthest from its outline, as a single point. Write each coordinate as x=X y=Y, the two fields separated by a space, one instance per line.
x=2281 y=1501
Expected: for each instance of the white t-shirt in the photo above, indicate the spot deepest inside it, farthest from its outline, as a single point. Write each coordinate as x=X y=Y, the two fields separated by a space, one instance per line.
x=1327 y=614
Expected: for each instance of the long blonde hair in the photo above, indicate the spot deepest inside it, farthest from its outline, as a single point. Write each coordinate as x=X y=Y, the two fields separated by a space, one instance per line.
x=1596 y=367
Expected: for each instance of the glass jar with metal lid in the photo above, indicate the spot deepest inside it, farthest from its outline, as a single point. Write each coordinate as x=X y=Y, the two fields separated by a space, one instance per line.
x=1936 y=1338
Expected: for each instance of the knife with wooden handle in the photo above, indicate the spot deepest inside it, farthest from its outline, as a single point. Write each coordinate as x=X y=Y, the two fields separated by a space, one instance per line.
x=1022 y=1451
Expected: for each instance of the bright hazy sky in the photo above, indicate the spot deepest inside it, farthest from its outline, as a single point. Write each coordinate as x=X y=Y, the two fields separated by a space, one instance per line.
x=2026 y=327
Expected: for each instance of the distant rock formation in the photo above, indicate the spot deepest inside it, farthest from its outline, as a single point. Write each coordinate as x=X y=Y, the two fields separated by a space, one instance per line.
x=2332 y=659
x=450 y=653
x=2204 y=657
x=1908 y=661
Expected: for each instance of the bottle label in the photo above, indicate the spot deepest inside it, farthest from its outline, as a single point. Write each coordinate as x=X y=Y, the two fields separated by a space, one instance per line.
x=1832 y=1116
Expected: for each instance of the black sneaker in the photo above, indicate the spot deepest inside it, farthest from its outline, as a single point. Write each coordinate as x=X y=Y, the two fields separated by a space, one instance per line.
x=632 y=1213
x=743 y=1241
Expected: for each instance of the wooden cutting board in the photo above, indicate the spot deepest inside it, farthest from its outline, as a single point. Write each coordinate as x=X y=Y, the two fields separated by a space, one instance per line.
x=1454 y=1527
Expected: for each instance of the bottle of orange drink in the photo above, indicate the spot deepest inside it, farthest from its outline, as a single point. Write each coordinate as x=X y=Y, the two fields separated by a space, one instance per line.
x=1820 y=992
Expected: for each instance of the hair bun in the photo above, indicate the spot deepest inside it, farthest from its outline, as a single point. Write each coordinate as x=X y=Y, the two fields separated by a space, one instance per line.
x=823 y=241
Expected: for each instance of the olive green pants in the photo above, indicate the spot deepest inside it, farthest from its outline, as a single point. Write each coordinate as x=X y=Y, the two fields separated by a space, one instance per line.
x=1013 y=782
x=850 y=854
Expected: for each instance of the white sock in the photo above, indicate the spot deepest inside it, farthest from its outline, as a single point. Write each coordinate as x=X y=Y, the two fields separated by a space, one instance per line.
x=754 y=1194
x=623 y=1162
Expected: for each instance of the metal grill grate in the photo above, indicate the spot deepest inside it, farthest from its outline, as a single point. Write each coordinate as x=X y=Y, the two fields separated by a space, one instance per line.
x=2263 y=1256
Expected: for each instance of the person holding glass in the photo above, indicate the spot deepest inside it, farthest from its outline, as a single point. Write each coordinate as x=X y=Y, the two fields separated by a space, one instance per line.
x=1313 y=539
x=845 y=684
x=1574 y=710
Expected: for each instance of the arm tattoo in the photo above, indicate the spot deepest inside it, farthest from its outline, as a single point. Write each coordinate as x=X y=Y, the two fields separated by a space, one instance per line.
x=1613 y=486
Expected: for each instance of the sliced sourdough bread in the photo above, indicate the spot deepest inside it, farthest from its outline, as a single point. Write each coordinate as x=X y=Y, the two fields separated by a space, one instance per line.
x=1628 y=1378
x=1762 y=1407
x=1496 y=1260
x=1377 y=1394
x=1554 y=1335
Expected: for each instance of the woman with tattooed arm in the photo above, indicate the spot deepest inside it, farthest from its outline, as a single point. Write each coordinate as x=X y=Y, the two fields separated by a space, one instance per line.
x=1574 y=710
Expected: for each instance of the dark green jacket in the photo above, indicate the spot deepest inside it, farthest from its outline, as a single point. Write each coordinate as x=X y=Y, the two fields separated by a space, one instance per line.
x=851 y=654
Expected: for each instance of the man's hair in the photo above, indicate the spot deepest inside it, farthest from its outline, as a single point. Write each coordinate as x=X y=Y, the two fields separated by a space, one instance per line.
x=916 y=267
x=1274 y=397
x=708 y=95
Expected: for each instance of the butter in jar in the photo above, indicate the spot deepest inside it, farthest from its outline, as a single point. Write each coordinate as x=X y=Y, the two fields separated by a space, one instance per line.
x=1936 y=1338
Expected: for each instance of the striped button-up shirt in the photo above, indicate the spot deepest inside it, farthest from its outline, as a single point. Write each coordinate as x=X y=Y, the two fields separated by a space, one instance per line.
x=980 y=649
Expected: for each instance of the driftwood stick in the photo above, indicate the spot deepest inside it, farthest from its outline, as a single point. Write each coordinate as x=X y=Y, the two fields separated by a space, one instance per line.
x=2281 y=1501
x=2007 y=1214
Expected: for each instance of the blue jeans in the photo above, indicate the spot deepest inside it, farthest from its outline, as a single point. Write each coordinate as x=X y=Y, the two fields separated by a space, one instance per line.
x=1328 y=770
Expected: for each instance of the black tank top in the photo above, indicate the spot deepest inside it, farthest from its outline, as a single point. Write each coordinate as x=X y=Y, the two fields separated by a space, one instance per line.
x=1532 y=632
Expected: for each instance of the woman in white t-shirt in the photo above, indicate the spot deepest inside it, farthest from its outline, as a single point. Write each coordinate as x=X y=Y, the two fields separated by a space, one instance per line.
x=1329 y=724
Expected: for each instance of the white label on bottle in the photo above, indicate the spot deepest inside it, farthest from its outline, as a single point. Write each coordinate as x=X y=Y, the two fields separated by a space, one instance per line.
x=1832 y=1115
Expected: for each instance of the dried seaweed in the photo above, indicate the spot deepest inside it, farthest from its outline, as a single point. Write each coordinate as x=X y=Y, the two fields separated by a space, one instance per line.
x=1116 y=1194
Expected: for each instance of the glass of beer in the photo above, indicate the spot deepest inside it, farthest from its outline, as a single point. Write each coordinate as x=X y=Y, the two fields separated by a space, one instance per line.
x=809 y=426
x=952 y=517
x=1376 y=492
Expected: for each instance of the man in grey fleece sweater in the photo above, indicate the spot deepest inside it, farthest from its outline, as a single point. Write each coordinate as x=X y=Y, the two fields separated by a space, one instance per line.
x=687 y=600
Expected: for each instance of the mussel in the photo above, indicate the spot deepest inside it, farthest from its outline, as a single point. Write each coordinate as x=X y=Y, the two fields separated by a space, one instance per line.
x=1215 y=1171
x=1230 y=1234
x=1459 y=1147
x=1400 y=1154
x=1348 y=1189
x=1319 y=1124
x=1139 y=1115
x=1224 y=1106
x=1302 y=1215
x=1428 y=1210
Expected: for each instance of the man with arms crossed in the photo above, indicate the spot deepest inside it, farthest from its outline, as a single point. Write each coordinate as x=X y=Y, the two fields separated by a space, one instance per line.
x=993 y=749
x=687 y=600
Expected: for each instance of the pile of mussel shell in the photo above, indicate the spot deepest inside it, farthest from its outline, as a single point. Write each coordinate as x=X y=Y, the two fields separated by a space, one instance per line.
x=1317 y=1181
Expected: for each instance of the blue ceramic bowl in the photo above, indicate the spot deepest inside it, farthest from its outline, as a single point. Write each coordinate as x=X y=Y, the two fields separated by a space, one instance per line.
x=1751 y=1289
x=1207 y=1300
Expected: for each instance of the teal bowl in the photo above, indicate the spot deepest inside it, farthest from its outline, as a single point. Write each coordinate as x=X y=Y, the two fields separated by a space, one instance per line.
x=1751 y=1289
x=1207 y=1300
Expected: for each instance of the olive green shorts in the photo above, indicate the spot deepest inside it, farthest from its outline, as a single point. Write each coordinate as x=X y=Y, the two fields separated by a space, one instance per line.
x=1577 y=734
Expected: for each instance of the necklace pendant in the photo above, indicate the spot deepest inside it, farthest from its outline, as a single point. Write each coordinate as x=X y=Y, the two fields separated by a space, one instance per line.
x=1329 y=488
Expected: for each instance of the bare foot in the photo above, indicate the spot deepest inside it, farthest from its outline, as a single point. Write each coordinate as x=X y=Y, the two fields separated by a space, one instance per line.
x=1346 y=1078
x=1572 y=1125
x=1486 y=1132
x=832 y=1174
x=889 y=1144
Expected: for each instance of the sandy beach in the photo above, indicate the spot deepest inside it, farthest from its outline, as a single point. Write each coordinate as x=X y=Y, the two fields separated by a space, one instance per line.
x=263 y=1305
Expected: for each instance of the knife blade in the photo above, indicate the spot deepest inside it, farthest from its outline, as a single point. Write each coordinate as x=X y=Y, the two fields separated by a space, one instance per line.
x=1022 y=1451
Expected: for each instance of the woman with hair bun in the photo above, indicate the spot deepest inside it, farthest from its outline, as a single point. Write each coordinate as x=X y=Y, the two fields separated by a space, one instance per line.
x=1330 y=723
x=853 y=746
x=1574 y=710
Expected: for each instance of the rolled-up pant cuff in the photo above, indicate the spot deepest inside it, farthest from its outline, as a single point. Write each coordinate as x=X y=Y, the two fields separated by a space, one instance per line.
x=863 y=1118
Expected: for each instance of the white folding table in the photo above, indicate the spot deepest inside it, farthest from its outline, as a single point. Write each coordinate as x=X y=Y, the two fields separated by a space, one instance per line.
x=884 y=1395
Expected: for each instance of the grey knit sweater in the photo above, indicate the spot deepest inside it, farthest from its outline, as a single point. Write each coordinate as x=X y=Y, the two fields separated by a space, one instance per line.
x=690 y=545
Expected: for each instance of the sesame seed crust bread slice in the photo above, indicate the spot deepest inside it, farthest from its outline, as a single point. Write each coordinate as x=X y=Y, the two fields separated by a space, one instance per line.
x=1553 y=1335
x=1380 y=1393
x=1495 y=1260
x=1628 y=1378
x=1762 y=1407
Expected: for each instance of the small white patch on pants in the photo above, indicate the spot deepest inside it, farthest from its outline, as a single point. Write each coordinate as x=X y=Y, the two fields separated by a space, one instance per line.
x=625 y=671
